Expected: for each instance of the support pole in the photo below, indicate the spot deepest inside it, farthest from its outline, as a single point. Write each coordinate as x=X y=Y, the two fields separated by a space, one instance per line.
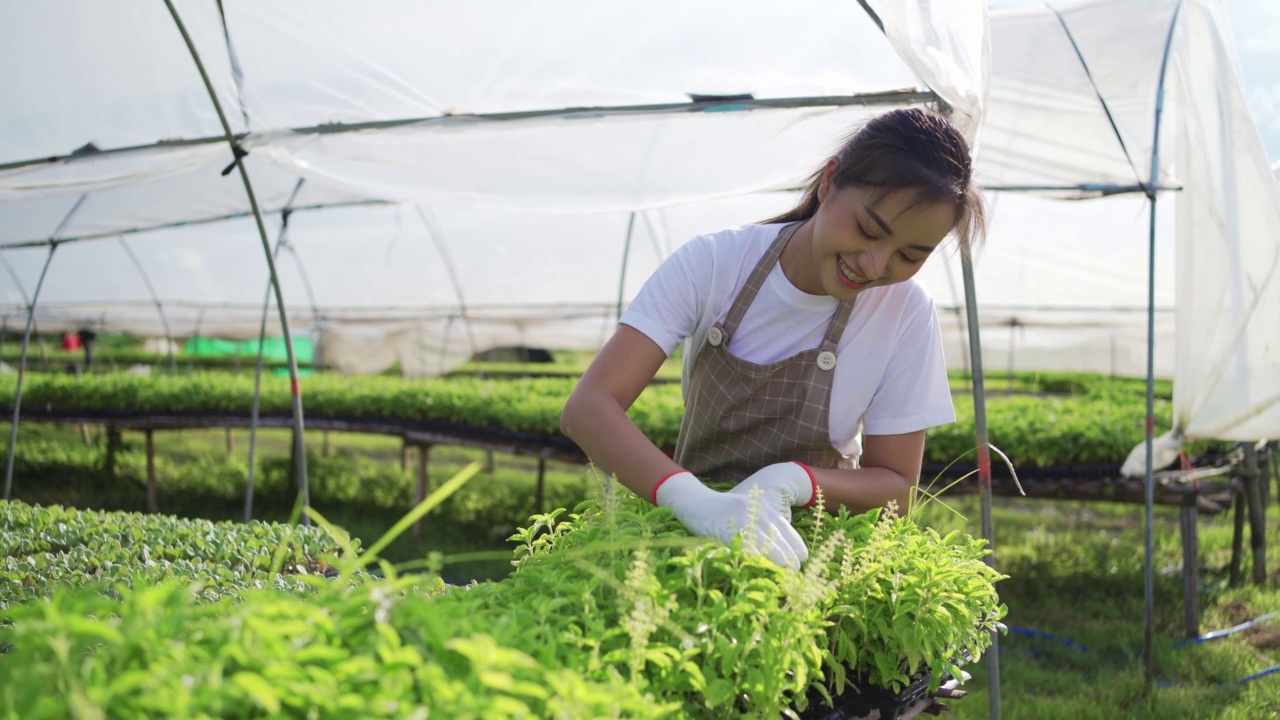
x=195 y=335
x=626 y=254
x=540 y=489
x=155 y=300
x=255 y=406
x=22 y=368
x=1257 y=518
x=442 y=248
x=1237 y=532
x=984 y=466
x=1148 y=635
x=44 y=359
x=1191 y=565
x=238 y=153
x=423 y=487
x=1148 y=483
x=153 y=503
x=257 y=372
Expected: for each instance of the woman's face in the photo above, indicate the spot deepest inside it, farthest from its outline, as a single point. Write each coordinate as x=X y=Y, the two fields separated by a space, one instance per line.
x=861 y=238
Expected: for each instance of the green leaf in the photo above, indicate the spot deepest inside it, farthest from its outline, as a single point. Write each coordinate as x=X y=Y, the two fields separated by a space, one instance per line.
x=263 y=695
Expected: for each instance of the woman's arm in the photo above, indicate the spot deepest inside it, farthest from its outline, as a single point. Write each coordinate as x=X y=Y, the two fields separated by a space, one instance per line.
x=890 y=469
x=595 y=416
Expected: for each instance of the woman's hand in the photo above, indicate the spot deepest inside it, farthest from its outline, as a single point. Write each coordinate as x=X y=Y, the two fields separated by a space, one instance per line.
x=784 y=485
x=722 y=515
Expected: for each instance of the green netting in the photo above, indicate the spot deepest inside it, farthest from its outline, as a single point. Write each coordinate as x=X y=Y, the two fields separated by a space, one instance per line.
x=273 y=348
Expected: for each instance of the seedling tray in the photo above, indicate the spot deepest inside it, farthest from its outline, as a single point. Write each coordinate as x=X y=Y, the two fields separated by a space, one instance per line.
x=861 y=700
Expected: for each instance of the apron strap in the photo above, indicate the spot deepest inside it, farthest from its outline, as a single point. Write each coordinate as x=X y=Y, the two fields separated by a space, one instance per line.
x=755 y=281
x=836 y=328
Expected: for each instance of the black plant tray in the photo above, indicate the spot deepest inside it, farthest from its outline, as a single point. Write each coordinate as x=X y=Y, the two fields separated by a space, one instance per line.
x=859 y=699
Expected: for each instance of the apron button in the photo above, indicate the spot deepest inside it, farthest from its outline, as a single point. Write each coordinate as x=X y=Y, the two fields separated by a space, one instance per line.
x=715 y=336
x=826 y=359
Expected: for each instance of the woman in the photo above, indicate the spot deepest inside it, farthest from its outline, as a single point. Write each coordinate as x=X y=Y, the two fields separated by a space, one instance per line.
x=813 y=358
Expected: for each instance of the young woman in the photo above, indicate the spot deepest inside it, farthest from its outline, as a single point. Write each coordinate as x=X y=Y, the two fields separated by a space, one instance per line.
x=813 y=358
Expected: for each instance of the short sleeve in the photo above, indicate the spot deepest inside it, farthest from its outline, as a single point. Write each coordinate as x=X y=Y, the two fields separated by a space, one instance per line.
x=914 y=392
x=667 y=308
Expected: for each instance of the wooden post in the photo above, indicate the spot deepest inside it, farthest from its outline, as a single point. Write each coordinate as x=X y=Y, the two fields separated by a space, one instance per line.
x=324 y=450
x=84 y=434
x=1257 y=514
x=538 y=491
x=231 y=444
x=152 y=504
x=113 y=447
x=424 y=485
x=404 y=453
x=1191 y=565
x=1237 y=533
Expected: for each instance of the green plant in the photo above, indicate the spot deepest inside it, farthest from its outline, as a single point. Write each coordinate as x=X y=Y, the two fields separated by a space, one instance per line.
x=611 y=611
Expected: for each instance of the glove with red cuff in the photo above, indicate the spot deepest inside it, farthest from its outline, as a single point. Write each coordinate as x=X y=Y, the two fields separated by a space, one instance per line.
x=785 y=485
x=722 y=515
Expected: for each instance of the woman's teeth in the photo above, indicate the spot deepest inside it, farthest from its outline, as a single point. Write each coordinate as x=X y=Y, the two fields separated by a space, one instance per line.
x=849 y=274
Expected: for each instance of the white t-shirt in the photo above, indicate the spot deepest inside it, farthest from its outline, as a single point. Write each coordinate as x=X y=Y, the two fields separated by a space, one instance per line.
x=890 y=375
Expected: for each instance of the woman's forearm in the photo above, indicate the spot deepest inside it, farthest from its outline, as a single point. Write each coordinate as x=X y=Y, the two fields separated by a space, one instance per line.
x=601 y=427
x=861 y=489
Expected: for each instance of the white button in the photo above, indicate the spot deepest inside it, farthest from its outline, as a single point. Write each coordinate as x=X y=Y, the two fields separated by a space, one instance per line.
x=715 y=336
x=826 y=359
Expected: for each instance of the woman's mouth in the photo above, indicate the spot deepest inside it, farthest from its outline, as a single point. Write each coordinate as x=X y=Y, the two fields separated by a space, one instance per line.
x=849 y=276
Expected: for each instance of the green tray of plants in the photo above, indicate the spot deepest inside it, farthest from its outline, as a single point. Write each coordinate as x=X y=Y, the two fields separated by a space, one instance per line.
x=612 y=610
x=1099 y=427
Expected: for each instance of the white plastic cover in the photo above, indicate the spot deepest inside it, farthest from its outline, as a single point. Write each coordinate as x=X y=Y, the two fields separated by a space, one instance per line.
x=465 y=175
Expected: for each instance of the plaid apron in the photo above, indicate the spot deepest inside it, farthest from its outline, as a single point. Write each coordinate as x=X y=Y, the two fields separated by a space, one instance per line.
x=740 y=416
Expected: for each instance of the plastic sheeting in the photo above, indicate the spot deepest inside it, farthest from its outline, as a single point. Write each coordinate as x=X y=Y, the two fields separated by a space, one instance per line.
x=1074 y=96
x=462 y=176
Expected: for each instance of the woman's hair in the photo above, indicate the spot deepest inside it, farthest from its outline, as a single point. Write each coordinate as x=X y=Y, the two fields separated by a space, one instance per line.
x=909 y=148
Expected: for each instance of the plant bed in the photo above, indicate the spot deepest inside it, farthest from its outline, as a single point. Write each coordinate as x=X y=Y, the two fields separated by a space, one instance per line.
x=612 y=610
x=861 y=699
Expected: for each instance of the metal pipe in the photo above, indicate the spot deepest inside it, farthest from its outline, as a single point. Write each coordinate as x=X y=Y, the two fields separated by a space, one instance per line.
x=984 y=466
x=257 y=372
x=437 y=236
x=155 y=298
x=626 y=253
x=1148 y=573
x=238 y=155
x=890 y=98
x=22 y=371
x=188 y=223
x=26 y=341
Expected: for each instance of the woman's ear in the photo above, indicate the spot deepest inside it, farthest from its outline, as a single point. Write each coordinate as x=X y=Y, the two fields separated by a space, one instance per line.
x=828 y=178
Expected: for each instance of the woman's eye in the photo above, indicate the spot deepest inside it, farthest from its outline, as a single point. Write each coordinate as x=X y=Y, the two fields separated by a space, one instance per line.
x=862 y=229
x=910 y=259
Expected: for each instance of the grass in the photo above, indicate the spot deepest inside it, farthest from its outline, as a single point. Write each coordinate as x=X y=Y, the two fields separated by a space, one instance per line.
x=1075 y=591
x=1077 y=614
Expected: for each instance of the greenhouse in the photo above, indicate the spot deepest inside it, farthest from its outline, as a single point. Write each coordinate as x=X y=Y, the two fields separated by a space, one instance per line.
x=389 y=193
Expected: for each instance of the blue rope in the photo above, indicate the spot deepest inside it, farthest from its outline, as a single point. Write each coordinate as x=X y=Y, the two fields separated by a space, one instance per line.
x=1223 y=633
x=1029 y=632
x=1040 y=634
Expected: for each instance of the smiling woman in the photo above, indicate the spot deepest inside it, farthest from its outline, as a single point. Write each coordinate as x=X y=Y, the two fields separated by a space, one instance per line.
x=813 y=362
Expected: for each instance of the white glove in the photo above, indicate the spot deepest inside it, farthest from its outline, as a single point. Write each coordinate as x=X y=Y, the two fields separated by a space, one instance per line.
x=722 y=515
x=784 y=484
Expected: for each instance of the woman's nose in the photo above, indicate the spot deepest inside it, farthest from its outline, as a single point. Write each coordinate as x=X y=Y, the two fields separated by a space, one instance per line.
x=877 y=260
